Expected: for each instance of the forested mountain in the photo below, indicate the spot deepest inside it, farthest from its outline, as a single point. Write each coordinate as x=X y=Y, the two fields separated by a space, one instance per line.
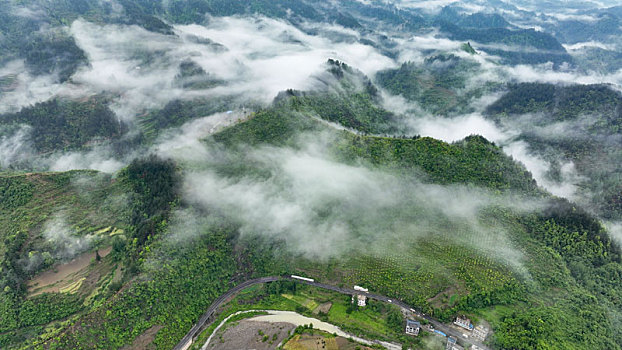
x=439 y=85
x=60 y=125
x=462 y=159
x=586 y=120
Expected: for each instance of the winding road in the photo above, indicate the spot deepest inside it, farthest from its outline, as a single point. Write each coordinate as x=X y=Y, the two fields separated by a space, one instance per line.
x=187 y=340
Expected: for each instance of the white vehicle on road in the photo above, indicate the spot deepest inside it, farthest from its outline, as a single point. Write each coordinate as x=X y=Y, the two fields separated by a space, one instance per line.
x=303 y=278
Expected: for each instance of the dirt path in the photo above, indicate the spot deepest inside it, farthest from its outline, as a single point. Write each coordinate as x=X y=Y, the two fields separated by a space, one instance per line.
x=299 y=320
x=295 y=319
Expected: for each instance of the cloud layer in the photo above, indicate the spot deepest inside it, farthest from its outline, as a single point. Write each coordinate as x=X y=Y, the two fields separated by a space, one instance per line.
x=324 y=209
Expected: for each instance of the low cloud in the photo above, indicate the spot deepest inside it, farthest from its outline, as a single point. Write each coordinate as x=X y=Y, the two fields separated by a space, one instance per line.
x=615 y=230
x=62 y=239
x=589 y=44
x=101 y=158
x=426 y=5
x=14 y=146
x=414 y=48
x=19 y=88
x=566 y=186
x=324 y=209
x=186 y=143
x=254 y=57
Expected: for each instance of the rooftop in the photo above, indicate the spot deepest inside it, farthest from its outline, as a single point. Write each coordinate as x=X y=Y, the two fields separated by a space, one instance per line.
x=411 y=323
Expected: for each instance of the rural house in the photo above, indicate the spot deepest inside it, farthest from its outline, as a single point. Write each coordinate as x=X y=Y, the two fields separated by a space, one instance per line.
x=413 y=327
x=463 y=322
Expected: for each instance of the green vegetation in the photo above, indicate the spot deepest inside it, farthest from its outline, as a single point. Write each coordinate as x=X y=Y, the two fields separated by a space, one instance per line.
x=605 y=25
x=473 y=160
x=435 y=271
x=475 y=20
x=53 y=53
x=598 y=60
x=561 y=103
x=45 y=308
x=48 y=51
x=439 y=85
x=376 y=321
x=35 y=209
x=64 y=124
x=351 y=100
x=187 y=12
x=589 y=122
x=178 y=112
x=192 y=76
x=446 y=279
x=173 y=298
x=523 y=42
x=155 y=185
x=468 y=49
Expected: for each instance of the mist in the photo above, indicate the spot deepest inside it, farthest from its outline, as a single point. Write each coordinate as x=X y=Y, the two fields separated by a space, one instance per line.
x=252 y=57
x=14 y=145
x=64 y=242
x=23 y=88
x=246 y=60
x=100 y=159
x=185 y=144
x=251 y=60
x=324 y=209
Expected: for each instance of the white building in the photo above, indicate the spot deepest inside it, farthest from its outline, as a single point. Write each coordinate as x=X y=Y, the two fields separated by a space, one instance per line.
x=480 y=332
x=413 y=327
x=361 y=299
x=464 y=323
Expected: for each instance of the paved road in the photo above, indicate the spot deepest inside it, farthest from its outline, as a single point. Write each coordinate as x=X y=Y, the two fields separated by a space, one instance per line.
x=187 y=340
x=437 y=325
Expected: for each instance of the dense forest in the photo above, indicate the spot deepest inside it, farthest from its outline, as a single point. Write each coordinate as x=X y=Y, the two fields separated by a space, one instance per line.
x=439 y=85
x=589 y=117
x=65 y=124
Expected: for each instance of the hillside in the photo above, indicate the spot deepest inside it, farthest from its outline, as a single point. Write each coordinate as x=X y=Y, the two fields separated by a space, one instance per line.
x=440 y=85
x=162 y=162
x=48 y=219
x=75 y=124
x=587 y=123
x=449 y=278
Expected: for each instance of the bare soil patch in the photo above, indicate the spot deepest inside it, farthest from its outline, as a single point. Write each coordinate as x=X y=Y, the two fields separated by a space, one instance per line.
x=61 y=276
x=251 y=335
x=145 y=340
x=321 y=342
